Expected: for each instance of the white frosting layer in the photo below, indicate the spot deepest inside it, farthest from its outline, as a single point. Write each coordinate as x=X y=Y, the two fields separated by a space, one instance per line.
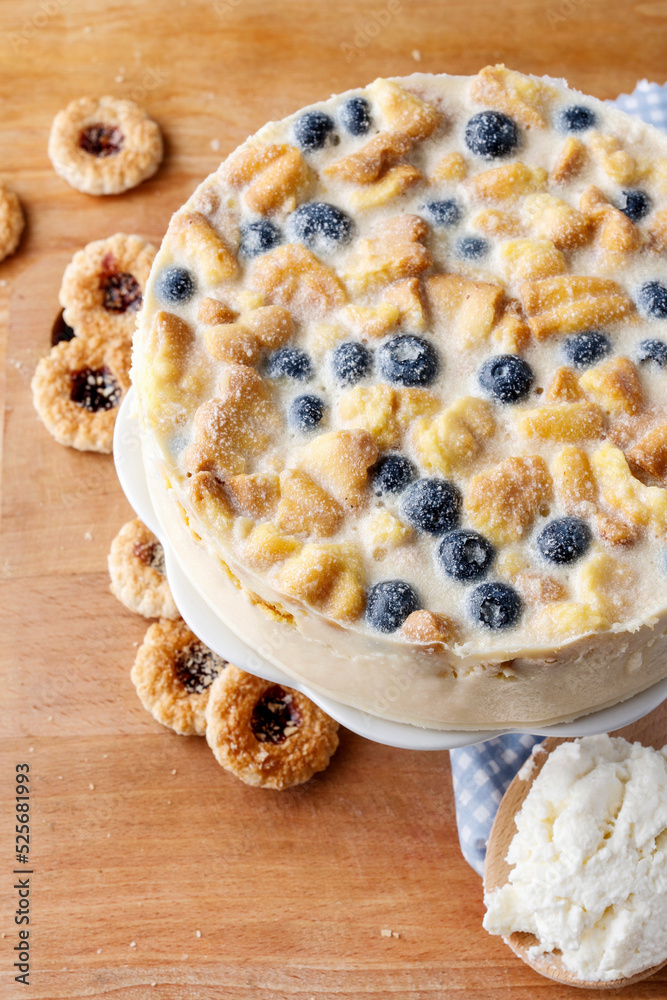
x=590 y=860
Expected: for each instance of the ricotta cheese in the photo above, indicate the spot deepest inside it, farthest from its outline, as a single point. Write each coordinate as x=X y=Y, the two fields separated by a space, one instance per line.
x=590 y=860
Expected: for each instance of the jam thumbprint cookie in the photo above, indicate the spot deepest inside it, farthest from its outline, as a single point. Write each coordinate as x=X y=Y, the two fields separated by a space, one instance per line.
x=11 y=221
x=266 y=734
x=104 y=145
x=77 y=389
x=103 y=286
x=173 y=672
x=136 y=568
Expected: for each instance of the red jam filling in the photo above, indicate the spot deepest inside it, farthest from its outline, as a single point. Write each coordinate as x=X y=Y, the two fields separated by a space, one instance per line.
x=101 y=140
x=275 y=717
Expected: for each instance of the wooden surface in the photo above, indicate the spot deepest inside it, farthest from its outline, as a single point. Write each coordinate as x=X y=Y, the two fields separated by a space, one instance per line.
x=139 y=839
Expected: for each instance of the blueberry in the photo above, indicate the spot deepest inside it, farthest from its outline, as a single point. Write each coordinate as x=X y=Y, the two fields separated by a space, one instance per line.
x=305 y=412
x=576 y=119
x=653 y=299
x=391 y=474
x=258 y=237
x=313 y=129
x=465 y=555
x=564 y=540
x=355 y=116
x=495 y=605
x=289 y=362
x=491 y=134
x=652 y=351
x=443 y=213
x=350 y=362
x=432 y=505
x=321 y=226
x=175 y=284
x=472 y=247
x=585 y=349
x=408 y=360
x=389 y=603
x=635 y=204
x=506 y=377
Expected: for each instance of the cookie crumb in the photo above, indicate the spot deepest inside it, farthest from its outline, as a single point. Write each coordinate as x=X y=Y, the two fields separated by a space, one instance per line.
x=416 y=55
x=385 y=932
x=91 y=786
x=215 y=145
x=198 y=934
x=133 y=944
x=87 y=535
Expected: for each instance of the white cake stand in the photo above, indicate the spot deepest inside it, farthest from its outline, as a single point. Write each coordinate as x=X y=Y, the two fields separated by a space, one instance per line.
x=214 y=633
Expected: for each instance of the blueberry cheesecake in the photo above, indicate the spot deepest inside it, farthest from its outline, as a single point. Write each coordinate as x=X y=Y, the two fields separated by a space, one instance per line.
x=401 y=369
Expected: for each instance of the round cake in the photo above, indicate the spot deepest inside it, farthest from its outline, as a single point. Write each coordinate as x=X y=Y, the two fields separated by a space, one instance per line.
x=401 y=371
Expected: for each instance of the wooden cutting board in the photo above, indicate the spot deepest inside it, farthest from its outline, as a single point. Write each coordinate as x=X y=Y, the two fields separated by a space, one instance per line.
x=157 y=874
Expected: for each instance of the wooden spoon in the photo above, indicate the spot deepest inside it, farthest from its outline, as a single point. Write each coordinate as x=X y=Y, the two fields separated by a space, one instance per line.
x=496 y=874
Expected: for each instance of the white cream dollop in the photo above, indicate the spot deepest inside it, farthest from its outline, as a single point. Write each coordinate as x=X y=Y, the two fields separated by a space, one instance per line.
x=590 y=860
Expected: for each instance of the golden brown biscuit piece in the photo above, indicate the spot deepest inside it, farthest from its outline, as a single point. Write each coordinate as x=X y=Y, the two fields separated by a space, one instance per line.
x=503 y=500
x=235 y=425
x=650 y=453
x=266 y=734
x=77 y=389
x=293 y=277
x=173 y=673
x=104 y=145
x=11 y=221
x=103 y=286
x=136 y=568
x=429 y=627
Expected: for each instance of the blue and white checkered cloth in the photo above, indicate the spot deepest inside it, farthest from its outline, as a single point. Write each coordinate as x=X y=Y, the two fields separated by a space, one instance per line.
x=648 y=102
x=482 y=773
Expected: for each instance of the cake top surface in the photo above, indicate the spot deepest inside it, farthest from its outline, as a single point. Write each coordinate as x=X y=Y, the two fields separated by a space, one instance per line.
x=403 y=355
